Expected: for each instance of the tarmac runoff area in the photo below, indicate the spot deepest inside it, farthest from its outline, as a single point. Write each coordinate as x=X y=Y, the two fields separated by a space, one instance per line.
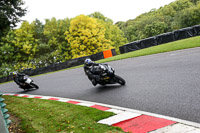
x=131 y=120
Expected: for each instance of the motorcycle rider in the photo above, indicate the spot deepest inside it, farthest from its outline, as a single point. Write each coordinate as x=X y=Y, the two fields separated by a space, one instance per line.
x=88 y=66
x=18 y=78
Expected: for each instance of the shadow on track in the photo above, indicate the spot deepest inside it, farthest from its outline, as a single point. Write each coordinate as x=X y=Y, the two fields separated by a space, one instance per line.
x=24 y=91
x=102 y=89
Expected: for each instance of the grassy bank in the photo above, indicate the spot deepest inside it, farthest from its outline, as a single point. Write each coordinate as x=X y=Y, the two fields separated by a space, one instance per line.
x=45 y=116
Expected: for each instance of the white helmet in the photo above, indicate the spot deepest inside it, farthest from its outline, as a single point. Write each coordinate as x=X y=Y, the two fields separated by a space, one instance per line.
x=88 y=62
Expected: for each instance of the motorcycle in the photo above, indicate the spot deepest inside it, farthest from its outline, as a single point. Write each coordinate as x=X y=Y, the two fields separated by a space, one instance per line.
x=107 y=75
x=28 y=83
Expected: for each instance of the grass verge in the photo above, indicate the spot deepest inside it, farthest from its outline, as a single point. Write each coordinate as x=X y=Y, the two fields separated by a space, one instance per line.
x=46 y=116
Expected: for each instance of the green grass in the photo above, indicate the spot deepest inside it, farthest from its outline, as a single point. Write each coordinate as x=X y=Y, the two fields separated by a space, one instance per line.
x=46 y=116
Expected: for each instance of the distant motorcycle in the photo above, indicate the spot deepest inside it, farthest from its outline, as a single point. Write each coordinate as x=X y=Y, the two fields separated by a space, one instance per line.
x=107 y=75
x=28 y=83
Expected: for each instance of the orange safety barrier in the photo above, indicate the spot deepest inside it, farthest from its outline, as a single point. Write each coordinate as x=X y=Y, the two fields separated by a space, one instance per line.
x=107 y=53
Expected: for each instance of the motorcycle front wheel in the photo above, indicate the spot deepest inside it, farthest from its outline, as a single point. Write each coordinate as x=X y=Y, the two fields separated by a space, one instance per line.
x=34 y=85
x=120 y=80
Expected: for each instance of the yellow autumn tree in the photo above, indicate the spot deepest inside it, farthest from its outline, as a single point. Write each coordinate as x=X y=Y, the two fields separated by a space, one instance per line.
x=86 y=36
x=25 y=45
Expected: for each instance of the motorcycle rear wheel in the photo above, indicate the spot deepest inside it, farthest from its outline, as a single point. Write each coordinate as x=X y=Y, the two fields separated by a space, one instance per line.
x=120 y=80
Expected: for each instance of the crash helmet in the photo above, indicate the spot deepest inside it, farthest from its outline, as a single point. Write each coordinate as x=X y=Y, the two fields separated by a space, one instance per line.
x=88 y=62
x=14 y=73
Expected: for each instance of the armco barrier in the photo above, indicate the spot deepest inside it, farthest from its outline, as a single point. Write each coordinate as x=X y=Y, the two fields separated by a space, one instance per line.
x=4 y=121
x=161 y=39
x=136 y=45
x=184 y=33
x=148 y=42
x=129 y=47
x=5 y=79
x=196 y=30
x=165 y=38
x=63 y=65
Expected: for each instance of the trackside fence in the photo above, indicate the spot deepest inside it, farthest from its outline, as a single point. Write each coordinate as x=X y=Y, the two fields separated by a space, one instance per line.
x=161 y=39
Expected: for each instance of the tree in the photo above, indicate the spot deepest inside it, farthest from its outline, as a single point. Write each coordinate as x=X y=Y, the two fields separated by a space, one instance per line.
x=7 y=48
x=39 y=29
x=130 y=33
x=100 y=16
x=7 y=52
x=120 y=24
x=165 y=19
x=155 y=28
x=187 y=17
x=10 y=12
x=112 y=33
x=26 y=45
x=54 y=33
x=86 y=36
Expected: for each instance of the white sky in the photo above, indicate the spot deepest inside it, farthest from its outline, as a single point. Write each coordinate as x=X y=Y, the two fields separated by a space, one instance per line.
x=117 y=10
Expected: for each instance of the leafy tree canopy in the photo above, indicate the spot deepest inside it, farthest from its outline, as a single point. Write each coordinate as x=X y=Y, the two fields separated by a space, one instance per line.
x=86 y=36
x=112 y=32
x=176 y=15
x=10 y=12
x=54 y=33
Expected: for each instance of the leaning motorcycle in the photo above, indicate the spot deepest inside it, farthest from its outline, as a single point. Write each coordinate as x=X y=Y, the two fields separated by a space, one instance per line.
x=107 y=75
x=28 y=83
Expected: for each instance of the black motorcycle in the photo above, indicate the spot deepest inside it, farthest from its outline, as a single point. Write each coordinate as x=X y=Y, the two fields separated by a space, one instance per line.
x=107 y=75
x=28 y=83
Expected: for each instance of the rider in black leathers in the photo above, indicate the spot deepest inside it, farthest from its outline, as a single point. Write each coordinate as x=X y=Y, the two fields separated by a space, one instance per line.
x=18 y=78
x=88 y=65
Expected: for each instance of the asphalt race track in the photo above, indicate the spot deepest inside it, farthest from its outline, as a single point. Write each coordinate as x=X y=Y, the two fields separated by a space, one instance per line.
x=166 y=84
